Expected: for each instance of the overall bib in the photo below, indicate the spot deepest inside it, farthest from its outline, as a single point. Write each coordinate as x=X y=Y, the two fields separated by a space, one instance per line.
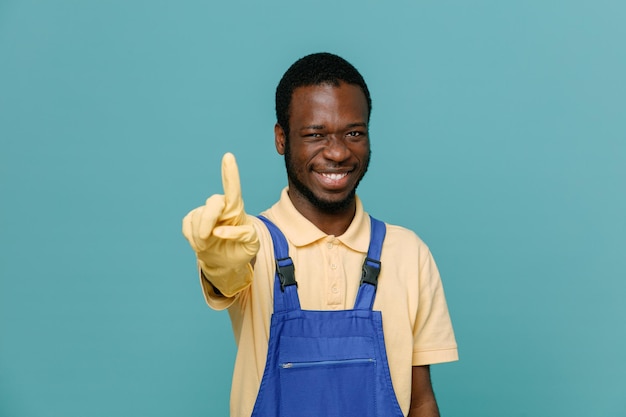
x=326 y=363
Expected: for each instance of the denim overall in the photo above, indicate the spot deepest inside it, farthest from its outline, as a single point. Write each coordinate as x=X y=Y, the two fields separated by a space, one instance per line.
x=326 y=363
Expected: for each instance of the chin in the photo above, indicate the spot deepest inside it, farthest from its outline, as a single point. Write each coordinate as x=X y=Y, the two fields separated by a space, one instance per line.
x=327 y=205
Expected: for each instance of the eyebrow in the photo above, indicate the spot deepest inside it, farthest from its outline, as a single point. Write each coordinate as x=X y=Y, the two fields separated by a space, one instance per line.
x=313 y=127
x=348 y=126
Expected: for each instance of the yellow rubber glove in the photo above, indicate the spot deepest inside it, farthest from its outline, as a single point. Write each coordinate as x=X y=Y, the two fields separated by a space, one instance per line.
x=223 y=236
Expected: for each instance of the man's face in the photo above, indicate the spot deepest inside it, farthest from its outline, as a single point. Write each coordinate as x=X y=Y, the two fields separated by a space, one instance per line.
x=328 y=151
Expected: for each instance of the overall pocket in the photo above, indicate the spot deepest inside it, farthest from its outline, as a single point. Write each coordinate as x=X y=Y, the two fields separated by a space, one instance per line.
x=326 y=379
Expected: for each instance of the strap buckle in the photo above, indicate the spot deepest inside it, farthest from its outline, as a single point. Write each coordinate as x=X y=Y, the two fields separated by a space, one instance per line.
x=286 y=272
x=371 y=269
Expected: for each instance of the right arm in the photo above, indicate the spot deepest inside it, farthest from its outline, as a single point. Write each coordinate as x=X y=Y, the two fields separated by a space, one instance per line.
x=222 y=235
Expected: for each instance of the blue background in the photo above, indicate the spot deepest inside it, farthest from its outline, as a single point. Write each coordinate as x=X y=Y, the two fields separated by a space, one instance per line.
x=498 y=134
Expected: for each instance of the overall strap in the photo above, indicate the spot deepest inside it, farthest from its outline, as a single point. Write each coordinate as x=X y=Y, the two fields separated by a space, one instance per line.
x=285 y=285
x=371 y=267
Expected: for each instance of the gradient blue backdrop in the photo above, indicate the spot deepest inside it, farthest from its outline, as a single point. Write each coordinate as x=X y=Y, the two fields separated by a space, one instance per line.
x=498 y=134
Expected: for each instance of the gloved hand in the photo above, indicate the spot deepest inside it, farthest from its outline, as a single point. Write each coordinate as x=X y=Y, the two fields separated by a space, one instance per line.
x=223 y=236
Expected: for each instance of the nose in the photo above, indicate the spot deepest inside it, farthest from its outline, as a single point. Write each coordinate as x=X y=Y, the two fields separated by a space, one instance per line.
x=336 y=149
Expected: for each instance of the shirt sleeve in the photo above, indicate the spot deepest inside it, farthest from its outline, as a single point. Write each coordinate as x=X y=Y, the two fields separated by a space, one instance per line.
x=433 y=336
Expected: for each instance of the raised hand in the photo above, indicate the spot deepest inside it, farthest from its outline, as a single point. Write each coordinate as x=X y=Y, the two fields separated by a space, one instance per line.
x=222 y=234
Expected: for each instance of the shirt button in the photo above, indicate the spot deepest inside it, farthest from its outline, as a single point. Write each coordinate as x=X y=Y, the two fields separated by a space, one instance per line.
x=335 y=290
x=329 y=245
x=333 y=266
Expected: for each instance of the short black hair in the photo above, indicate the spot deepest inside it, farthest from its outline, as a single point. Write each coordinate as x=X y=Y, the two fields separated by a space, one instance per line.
x=315 y=69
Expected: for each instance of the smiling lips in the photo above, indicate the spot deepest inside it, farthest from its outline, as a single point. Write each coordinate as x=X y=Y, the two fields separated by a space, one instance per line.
x=333 y=180
x=335 y=176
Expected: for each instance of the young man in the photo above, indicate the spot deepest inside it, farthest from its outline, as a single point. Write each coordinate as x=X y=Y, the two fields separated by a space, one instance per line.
x=356 y=335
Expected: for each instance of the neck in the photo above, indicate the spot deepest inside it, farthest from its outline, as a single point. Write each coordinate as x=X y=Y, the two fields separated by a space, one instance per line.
x=332 y=223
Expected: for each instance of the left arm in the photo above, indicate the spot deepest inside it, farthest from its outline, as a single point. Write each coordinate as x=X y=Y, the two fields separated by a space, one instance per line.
x=423 y=403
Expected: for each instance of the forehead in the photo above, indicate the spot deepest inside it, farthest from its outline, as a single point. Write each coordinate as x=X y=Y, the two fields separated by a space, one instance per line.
x=345 y=100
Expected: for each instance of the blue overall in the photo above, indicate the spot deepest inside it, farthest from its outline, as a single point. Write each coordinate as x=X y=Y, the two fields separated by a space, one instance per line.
x=326 y=363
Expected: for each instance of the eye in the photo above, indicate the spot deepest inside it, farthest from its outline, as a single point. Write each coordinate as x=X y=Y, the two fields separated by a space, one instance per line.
x=314 y=135
x=356 y=134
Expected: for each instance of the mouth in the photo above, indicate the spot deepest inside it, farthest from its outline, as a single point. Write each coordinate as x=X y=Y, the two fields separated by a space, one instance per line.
x=334 y=180
x=334 y=176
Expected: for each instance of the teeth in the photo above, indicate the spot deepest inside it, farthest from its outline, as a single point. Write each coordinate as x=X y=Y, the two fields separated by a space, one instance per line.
x=334 y=176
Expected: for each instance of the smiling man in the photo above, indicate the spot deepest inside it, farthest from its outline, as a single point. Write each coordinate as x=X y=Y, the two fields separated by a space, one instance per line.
x=327 y=152
x=334 y=312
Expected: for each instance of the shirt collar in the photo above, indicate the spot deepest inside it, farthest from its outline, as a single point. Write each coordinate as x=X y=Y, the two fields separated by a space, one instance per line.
x=301 y=232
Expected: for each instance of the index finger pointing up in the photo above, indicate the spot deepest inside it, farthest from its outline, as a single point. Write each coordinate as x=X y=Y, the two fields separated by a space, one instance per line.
x=232 y=190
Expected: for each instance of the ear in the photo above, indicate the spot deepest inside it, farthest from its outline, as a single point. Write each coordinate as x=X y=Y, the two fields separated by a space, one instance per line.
x=279 y=139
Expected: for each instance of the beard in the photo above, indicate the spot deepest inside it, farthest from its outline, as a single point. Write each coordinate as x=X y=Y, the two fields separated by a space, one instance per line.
x=324 y=205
